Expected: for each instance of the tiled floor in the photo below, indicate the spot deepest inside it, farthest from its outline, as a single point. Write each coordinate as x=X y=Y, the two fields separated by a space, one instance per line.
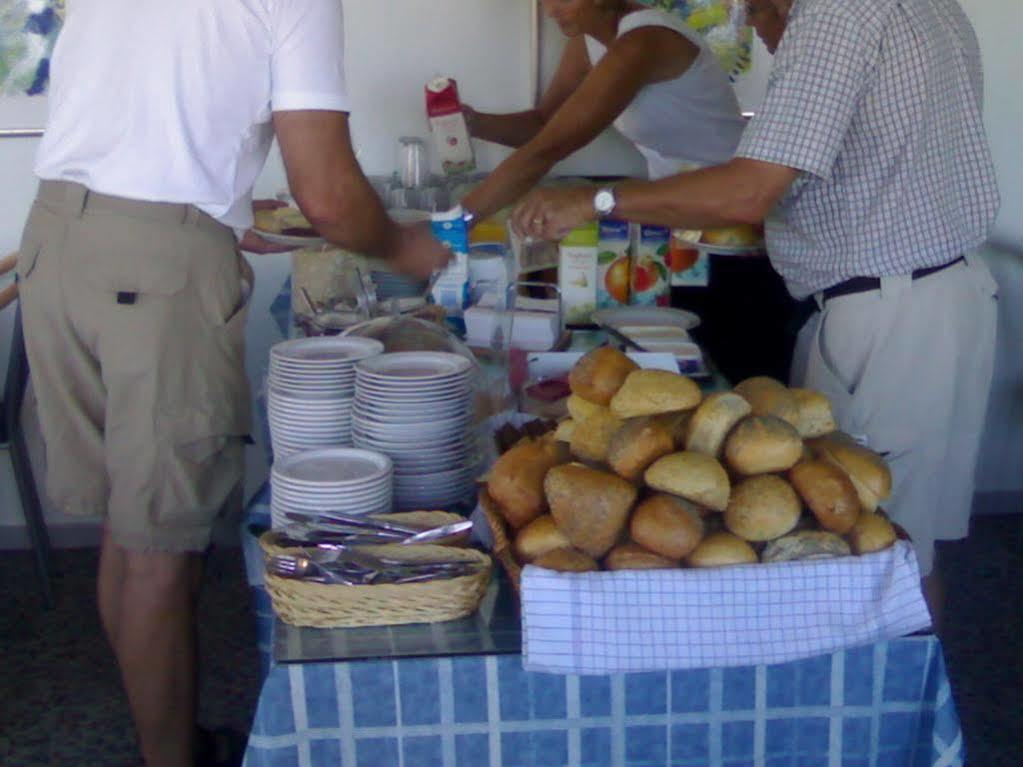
x=61 y=704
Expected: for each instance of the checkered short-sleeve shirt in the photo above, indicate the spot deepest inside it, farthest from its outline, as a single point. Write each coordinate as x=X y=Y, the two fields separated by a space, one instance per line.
x=878 y=104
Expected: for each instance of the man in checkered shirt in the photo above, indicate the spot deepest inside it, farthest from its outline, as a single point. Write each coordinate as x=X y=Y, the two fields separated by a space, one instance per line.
x=869 y=161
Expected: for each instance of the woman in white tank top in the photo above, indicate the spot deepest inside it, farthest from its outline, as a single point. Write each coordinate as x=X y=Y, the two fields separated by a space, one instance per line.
x=640 y=69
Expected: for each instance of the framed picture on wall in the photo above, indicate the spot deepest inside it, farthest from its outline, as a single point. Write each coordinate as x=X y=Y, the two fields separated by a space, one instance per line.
x=28 y=31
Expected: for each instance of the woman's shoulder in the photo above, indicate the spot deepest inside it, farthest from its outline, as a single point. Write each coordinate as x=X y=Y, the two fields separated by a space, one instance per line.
x=656 y=17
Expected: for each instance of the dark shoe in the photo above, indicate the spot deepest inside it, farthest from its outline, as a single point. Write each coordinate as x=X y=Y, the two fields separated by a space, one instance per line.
x=220 y=747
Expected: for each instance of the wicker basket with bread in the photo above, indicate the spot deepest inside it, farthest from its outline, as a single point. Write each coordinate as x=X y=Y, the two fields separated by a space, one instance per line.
x=647 y=472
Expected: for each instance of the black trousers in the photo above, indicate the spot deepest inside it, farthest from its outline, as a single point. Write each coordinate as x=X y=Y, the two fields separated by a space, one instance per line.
x=749 y=320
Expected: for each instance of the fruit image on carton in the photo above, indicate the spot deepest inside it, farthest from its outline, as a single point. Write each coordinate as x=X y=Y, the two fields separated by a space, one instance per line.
x=614 y=264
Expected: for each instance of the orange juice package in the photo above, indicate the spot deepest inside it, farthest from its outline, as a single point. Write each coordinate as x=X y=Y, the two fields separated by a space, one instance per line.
x=650 y=280
x=689 y=268
x=614 y=263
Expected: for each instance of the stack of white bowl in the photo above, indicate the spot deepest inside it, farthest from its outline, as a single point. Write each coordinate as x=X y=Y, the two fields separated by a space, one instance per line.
x=338 y=479
x=310 y=390
x=416 y=407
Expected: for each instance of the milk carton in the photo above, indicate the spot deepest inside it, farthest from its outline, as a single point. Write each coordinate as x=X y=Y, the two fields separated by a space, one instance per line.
x=614 y=263
x=650 y=280
x=451 y=290
x=577 y=274
x=450 y=134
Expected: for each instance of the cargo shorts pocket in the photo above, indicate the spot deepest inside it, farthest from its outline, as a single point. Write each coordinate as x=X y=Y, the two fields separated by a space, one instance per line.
x=203 y=465
x=132 y=257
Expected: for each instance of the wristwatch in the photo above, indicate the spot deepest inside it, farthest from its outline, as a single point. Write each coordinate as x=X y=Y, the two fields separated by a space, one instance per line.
x=604 y=201
x=468 y=218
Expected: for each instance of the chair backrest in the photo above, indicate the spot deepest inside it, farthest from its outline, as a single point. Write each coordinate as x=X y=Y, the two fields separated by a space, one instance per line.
x=8 y=294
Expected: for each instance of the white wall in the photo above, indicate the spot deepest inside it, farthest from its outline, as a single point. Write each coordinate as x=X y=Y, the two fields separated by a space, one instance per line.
x=998 y=24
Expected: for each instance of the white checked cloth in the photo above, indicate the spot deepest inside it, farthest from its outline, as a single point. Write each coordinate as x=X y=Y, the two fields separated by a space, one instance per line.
x=654 y=620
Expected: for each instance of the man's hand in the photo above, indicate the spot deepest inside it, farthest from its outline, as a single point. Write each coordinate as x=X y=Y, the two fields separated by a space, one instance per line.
x=252 y=242
x=417 y=252
x=550 y=214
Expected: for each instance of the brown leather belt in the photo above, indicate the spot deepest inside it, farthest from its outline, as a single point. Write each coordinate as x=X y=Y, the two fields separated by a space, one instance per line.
x=865 y=284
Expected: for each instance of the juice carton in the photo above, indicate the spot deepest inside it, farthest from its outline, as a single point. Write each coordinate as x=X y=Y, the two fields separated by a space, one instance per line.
x=451 y=291
x=689 y=267
x=450 y=134
x=650 y=280
x=577 y=273
x=614 y=263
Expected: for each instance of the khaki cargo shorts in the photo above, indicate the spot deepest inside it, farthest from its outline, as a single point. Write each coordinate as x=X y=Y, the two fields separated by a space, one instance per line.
x=134 y=323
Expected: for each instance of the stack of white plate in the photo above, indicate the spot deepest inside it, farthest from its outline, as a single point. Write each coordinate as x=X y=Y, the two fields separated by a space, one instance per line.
x=416 y=407
x=340 y=479
x=310 y=391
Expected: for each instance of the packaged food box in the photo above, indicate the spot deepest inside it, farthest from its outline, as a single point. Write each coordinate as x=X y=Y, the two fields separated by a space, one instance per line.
x=650 y=281
x=577 y=273
x=688 y=267
x=614 y=263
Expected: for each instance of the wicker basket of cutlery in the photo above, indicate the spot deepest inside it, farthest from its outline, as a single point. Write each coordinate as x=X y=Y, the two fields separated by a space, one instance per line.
x=413 y=519
x=327 y=605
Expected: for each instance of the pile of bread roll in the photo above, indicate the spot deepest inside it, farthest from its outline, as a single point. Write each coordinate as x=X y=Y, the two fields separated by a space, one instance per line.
x=647 y=473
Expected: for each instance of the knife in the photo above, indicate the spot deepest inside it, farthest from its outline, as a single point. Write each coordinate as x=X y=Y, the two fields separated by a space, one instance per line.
x=619 y=335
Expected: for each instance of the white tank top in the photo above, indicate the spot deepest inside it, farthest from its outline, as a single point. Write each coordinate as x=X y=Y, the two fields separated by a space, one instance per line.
x=692 y=120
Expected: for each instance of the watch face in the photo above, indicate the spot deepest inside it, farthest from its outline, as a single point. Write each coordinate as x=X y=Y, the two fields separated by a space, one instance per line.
x=604 y=201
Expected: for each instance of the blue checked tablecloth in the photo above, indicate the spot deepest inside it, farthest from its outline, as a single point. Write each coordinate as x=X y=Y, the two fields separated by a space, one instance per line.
x=882 y=705
x=887 y=705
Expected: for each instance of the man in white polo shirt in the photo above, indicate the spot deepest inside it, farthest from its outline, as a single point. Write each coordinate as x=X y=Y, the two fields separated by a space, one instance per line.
x=869 y=160
x=162 y=115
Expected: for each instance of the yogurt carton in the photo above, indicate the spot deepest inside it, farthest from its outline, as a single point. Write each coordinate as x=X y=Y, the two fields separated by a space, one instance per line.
x=650 y=280
x=451 y=290
x=614 y=263
x=577 y=274
x=447 y=123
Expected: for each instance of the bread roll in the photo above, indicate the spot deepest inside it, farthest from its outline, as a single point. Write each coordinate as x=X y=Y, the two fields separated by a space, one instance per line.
x=872 y=532
x=768 y=396
x=829 y=494
x=599 y=374
x=815 y=415
x=868 y=471
x=762 y=508
x=580 y=409
x=636 y=445
x=592 y=438
x=565 y=430
x=806 y=544
x=667 y=525
x=649 y=392
x=632 y=556
x=761 y=444
x=567 y=560
x=266 y=220
x=720 y=549
x=538 y=537
x=712 y=421
x=516 y=480
x=591 y=507
x=677 y=424
x=740 y=235
x=694 y=476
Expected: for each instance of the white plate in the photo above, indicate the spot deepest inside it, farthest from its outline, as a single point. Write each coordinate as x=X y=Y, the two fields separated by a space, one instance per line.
x=414 y=366
x=730 y=250
x=327 y=350
x=646 y=315
x=325 y=502
x=333 y=466
x=400 y=388
x=289 y=239
x=410 y=417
